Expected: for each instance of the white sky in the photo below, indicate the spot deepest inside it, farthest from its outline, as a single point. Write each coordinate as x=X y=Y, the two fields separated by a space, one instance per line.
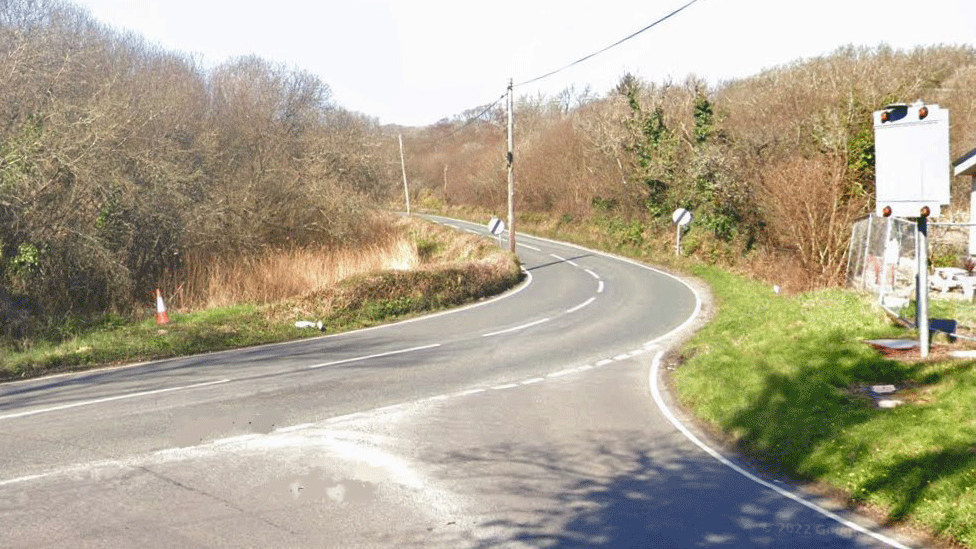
x=413 y=62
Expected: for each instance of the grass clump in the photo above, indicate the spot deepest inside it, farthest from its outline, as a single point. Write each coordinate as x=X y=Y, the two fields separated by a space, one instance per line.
x=457 y=269
x=782 y=375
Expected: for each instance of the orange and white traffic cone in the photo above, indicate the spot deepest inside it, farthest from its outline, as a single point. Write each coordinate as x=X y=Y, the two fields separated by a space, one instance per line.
x=161 y=316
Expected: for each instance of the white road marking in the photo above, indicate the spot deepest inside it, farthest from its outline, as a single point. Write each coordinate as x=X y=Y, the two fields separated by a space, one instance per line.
x=581 y=305
x=294 y=428
x=533 y=381
x=111 y=399
x=656 y=394
x=470 y=392
x=533 y=248
x=564 y=260
x=503 y=387
x=378 y=355
x=591 y=273
x=599 y=287
x=561 y=373
x=605 y=362
x=517 y=328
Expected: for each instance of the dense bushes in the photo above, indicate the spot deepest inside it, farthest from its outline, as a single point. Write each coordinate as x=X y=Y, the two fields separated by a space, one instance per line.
x=774 y=166
x=118 y=160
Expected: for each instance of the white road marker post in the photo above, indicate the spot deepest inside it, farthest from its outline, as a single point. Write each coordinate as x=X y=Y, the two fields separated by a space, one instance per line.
x=682 y=218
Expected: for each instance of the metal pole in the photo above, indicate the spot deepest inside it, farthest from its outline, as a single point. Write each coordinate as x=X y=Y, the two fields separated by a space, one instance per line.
x=403 y=168
x=677 y=247
x=884 y=264
x=867 y=250
x=922 y=290
x=511 y=175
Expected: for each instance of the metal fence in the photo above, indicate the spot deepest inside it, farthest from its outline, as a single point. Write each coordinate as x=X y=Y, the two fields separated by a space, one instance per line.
x=882 y=258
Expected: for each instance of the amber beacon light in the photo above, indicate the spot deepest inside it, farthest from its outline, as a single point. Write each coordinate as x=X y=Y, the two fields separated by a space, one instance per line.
x=923 y=112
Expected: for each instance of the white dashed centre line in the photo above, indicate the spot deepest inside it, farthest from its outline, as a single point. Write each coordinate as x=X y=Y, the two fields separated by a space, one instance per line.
x=581 y=305
x=378 y=355
x=517 y=328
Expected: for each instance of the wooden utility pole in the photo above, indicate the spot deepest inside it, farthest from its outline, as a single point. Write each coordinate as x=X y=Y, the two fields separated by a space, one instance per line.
x=511 y=177
x=403 y=168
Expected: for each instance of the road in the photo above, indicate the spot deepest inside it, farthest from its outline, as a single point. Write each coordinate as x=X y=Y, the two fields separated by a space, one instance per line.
x=535 y=419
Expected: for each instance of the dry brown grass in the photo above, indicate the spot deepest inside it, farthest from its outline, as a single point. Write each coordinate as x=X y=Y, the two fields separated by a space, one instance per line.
x=394 y=245
x=207 y=282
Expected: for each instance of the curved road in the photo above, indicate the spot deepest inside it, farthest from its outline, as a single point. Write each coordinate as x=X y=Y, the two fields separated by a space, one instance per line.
x=532 y=420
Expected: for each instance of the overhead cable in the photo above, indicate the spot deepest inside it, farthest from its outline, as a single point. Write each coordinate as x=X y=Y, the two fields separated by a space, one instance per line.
x=473 y=119
x=611 y=46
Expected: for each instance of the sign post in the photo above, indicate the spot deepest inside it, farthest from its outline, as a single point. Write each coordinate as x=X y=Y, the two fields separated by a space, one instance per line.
x=496 y=227
x=682 y=218
x=911 y=147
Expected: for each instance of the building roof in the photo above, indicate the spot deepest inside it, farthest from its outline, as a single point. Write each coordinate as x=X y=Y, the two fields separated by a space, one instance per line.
x=965 y=164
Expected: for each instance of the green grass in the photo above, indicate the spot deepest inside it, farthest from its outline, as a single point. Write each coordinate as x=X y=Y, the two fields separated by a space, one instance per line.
x=360 y=301
x=780 y=375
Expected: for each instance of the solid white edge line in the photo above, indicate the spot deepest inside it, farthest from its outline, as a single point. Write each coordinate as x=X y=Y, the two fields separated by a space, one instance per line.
x=678 y=425
x=68 y=375
x=370 y=357
x=656 y=394
x=581 y=305
x=111 y=399
x=517 y=328
x=533 y=248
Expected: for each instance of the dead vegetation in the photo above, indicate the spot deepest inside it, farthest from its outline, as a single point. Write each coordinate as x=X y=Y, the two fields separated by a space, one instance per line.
x=776 y=166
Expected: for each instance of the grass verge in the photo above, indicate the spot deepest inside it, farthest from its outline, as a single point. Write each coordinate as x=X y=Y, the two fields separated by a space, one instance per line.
x=785 y=378
x=451 y=269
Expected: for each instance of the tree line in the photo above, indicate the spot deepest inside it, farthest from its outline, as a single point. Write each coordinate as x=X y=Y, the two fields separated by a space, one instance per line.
x=119 y=159
x=776 y=167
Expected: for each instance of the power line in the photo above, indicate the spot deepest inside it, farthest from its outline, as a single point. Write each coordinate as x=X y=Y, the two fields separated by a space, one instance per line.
x=611 y=46
x=478 y=116
x=472 y=120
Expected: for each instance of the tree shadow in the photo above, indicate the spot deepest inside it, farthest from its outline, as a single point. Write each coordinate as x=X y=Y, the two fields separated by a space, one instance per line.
x=815 y=404
x=645 y=496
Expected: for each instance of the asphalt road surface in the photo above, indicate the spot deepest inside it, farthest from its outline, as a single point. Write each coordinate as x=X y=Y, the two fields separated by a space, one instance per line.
x=535 y=419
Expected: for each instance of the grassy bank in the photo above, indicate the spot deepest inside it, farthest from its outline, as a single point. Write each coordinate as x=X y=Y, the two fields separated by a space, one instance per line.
x=438 y=268
x=786 y=378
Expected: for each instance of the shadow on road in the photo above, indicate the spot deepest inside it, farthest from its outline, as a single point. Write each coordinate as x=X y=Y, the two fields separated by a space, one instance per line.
x=616 y=494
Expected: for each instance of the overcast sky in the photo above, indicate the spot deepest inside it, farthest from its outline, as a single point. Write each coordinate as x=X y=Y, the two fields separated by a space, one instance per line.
x=413 y=62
